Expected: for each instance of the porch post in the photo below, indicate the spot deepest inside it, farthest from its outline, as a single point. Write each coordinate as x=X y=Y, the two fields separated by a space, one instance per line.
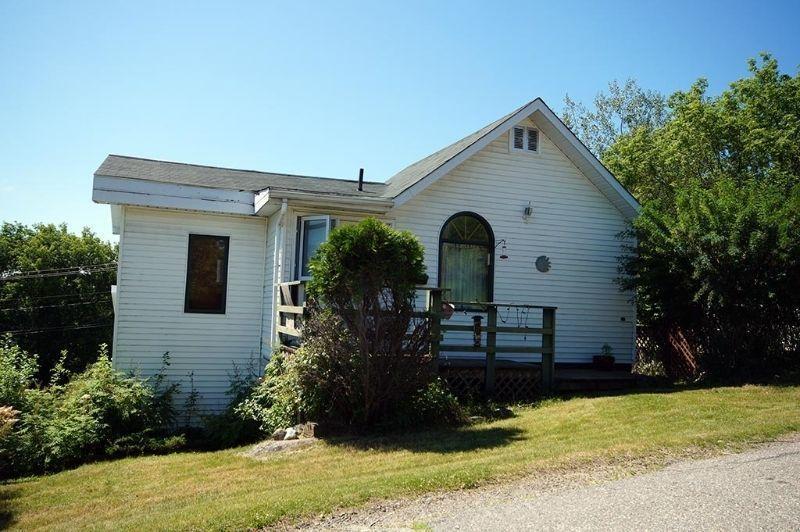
x=548 y=349
x=435 y=312
x=491 y=343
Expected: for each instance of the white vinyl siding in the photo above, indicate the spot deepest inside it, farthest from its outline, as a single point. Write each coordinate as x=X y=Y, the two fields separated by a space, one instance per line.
x=151 y=319
x=572 y=223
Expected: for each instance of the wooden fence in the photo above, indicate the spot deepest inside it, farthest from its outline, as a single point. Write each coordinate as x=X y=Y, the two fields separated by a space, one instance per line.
x=291 y=308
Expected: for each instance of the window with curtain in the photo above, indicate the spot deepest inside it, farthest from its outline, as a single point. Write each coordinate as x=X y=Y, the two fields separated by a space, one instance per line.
x=207 y=274
x=466 y=247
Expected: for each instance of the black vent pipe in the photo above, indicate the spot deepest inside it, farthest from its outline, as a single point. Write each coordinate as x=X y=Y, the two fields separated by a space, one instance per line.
x=360 y=179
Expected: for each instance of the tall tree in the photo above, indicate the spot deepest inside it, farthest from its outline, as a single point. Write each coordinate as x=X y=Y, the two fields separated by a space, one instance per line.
x=624 y=108
x=718 y=250
x=750 y=131
x=55 y=292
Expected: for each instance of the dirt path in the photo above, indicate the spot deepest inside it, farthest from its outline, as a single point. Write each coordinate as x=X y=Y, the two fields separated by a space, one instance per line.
x=759 y=488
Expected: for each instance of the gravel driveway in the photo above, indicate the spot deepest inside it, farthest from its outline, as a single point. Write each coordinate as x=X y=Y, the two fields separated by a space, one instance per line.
x=755 y=490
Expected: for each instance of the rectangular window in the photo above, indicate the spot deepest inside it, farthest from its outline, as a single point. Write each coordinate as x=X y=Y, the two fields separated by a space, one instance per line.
x=207 y=274
x=524 y=139
x=313 y=232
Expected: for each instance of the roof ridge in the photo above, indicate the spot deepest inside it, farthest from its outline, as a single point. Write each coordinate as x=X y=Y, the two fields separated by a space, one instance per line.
x=243 y=169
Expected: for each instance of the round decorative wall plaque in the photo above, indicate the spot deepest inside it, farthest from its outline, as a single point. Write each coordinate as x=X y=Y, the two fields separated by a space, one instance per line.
x=543 y=264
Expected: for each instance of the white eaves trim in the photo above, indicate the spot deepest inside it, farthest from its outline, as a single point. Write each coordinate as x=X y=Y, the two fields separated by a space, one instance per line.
x=596 y=172
x=124 y=191
x=365 y=204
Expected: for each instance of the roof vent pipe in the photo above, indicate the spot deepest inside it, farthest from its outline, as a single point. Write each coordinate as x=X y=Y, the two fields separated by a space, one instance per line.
x=360 y=179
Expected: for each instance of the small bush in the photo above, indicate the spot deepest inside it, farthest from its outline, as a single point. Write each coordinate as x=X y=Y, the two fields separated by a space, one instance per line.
x=288 y=393
x=434 y=404
x=17 y=373
x=100 y=412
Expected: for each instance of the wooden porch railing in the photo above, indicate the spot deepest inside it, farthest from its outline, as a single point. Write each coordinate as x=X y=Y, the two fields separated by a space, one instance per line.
x=291 y=306
x=290 y=312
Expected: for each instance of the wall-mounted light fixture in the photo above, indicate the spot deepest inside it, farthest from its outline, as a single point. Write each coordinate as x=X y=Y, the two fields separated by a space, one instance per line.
x=528 y=212
x=503 y=254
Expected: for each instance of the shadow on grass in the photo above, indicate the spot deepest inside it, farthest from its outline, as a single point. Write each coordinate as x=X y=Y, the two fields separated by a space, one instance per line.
x=443 y=440
x=6 y=514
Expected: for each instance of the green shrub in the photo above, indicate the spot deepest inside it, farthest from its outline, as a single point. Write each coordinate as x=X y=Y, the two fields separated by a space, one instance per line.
x=365 y=360
x=17 y=373
x=288 y=393
x=434 y=404
x=723 y=266
x=100 y=412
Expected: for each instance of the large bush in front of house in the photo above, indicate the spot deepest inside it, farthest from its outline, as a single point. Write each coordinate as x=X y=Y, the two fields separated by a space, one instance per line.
x=364 y=357
x=76 y=417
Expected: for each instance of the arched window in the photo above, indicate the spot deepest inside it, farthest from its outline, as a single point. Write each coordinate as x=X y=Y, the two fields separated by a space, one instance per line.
x=466 y=258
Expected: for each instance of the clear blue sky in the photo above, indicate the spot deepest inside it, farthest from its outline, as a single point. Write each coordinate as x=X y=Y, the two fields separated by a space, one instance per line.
x=324 y=89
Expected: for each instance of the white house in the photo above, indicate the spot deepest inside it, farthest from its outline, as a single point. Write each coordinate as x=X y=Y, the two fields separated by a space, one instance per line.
x=517 y=212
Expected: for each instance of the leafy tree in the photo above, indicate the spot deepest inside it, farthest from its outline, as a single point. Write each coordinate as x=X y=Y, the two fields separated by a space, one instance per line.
x=723 y=266
x=718 y=237
x=50 y=313
x=625 y=108
x=750 y=131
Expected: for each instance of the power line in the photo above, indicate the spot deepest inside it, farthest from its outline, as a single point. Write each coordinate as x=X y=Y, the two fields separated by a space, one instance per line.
x=63 y=268
x=37 y=298
x=24 y=308
x=82 y=270
x=51 y=329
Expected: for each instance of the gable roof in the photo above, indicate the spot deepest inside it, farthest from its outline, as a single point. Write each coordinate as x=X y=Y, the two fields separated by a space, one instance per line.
x=401 y=187
x=413 y=173
x=414 y=178
x=229 y=178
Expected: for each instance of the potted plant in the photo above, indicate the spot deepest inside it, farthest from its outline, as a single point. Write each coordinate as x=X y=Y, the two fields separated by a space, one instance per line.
x=605 y=360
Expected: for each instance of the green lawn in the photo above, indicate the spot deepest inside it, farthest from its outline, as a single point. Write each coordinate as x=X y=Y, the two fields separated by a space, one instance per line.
x=222 y=490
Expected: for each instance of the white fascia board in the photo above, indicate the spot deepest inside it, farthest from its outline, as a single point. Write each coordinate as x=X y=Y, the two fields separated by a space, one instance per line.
x=370 y=205
x=583 y=151
x=124 y=191
x=630 y=207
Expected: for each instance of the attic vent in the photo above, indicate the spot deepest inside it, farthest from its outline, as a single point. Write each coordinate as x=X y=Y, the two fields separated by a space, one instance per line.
x=525 y=139
x=519 y=141
x=533 y=140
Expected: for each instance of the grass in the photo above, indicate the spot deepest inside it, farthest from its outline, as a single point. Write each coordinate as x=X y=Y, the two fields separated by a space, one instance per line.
x=221 y=490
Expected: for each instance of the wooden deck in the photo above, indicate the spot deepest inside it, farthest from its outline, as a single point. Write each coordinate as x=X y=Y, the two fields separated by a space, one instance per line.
x=519 y=380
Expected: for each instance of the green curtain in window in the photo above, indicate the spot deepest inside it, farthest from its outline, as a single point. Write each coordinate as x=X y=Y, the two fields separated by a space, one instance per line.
x=465 y=271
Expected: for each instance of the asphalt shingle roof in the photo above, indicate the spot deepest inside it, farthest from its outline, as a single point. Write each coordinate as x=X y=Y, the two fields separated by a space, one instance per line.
x=417 y=171
x=229 y=178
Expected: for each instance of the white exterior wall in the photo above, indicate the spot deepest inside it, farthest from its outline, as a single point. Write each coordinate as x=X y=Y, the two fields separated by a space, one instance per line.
x=572 y=223
x=150 y=318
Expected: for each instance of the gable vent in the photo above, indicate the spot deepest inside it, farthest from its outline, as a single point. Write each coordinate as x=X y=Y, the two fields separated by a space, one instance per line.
x=519 y=134
x=533 y=139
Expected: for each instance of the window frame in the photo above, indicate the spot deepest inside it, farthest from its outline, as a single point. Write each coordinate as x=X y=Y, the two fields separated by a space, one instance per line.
x=301 y=240
x=490 y=273
x=189 y=263
x=525 y=134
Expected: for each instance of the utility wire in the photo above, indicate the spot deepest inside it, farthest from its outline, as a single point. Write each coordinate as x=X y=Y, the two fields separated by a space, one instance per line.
x=63 y=268
x=24 y=308
x=84 y=270
x=49 y=329
x=37 y=298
